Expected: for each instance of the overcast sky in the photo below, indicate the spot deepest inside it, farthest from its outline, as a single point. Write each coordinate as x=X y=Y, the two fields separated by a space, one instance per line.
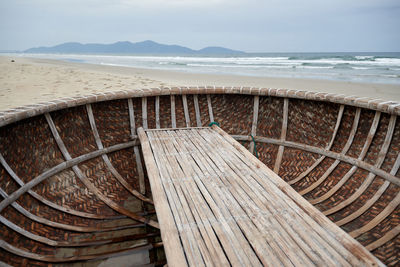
x=249 y=25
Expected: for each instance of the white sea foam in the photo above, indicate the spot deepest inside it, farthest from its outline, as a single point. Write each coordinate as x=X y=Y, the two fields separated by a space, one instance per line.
x=368 y=68
x=361 y=68
x=314 y=67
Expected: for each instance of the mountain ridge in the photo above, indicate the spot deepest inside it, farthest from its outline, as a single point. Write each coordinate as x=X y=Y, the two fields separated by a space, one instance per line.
x=126 y=47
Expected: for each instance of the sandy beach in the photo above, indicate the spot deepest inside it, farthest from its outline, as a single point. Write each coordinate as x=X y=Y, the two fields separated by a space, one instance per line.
x=29 y=80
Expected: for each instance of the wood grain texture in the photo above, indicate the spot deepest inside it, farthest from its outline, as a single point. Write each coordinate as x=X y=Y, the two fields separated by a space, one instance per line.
x=169 y=232
x=207 y=181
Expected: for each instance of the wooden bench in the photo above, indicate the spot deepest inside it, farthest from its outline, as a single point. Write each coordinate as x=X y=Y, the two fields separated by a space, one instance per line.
x=219 y=205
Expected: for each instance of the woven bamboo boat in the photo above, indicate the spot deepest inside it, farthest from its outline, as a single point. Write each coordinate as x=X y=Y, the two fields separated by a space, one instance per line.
x=74 y=188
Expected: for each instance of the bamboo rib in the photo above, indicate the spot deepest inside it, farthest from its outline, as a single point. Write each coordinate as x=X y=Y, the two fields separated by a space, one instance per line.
x=107 y=161
x=173 y=117
x=58 y=168
x=84 y=229
x=336 y=162
x=186 y=110
x=255 y=119
x=142 y=187
x=144 y=112
x=157 y=109
x=50 y=258
x=55 y=243
x=379 y=218
x=283 y=135
x=89 y=185
x=356 y=162
x=372 y=200
x=353 y=169
x=49 y=203
x=384 y=239
x=131 y=118
x=197 y=110
x=327 y=148
x=210 y=110
x=369 y=179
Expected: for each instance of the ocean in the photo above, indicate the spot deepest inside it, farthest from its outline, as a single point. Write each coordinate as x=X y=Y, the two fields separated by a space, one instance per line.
x=352 y=67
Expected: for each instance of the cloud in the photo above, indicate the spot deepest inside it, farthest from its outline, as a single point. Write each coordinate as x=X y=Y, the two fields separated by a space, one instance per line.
x=253 y=25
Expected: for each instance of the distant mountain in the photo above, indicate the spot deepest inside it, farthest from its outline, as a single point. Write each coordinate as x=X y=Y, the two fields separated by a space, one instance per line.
x=145 y=47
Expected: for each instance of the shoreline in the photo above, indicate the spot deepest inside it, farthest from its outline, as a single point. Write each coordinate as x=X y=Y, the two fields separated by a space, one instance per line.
x=33 y=80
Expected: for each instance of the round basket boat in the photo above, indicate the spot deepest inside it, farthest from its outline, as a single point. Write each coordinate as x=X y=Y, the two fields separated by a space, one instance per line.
x=74 y=188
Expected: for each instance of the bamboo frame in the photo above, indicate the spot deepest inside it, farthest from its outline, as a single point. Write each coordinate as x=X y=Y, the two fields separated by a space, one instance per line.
x=353 y=169
x=107 y=161
x=92 y=187
x=142 y=187
x=356 y=162
x=346 y=147
x=328 y=147
x=210 y=110
x=255 y=119
x=371 y=176
x=278 y=159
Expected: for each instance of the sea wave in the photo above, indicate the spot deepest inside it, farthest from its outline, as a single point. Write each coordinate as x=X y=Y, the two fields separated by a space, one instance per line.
x=379 y=67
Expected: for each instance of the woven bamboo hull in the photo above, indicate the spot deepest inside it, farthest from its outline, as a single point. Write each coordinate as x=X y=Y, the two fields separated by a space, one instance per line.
x=341 y=154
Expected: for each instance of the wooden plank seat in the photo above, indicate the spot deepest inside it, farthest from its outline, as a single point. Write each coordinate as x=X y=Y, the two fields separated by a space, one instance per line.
x=217 y=204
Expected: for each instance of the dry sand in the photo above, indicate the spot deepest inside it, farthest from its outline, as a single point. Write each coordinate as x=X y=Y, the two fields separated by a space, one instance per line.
x=28 y=81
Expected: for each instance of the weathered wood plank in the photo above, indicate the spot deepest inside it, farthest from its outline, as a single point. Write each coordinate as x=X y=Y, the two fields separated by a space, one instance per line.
x=353 y=252
x=284 y=223
x=280 y=244
x=222 y=205
x=169 y=232
x=168 y=165
x=290 y=218
x=223 y=192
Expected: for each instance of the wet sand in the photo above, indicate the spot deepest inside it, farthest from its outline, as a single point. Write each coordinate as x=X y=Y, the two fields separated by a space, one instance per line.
x=29 y=80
